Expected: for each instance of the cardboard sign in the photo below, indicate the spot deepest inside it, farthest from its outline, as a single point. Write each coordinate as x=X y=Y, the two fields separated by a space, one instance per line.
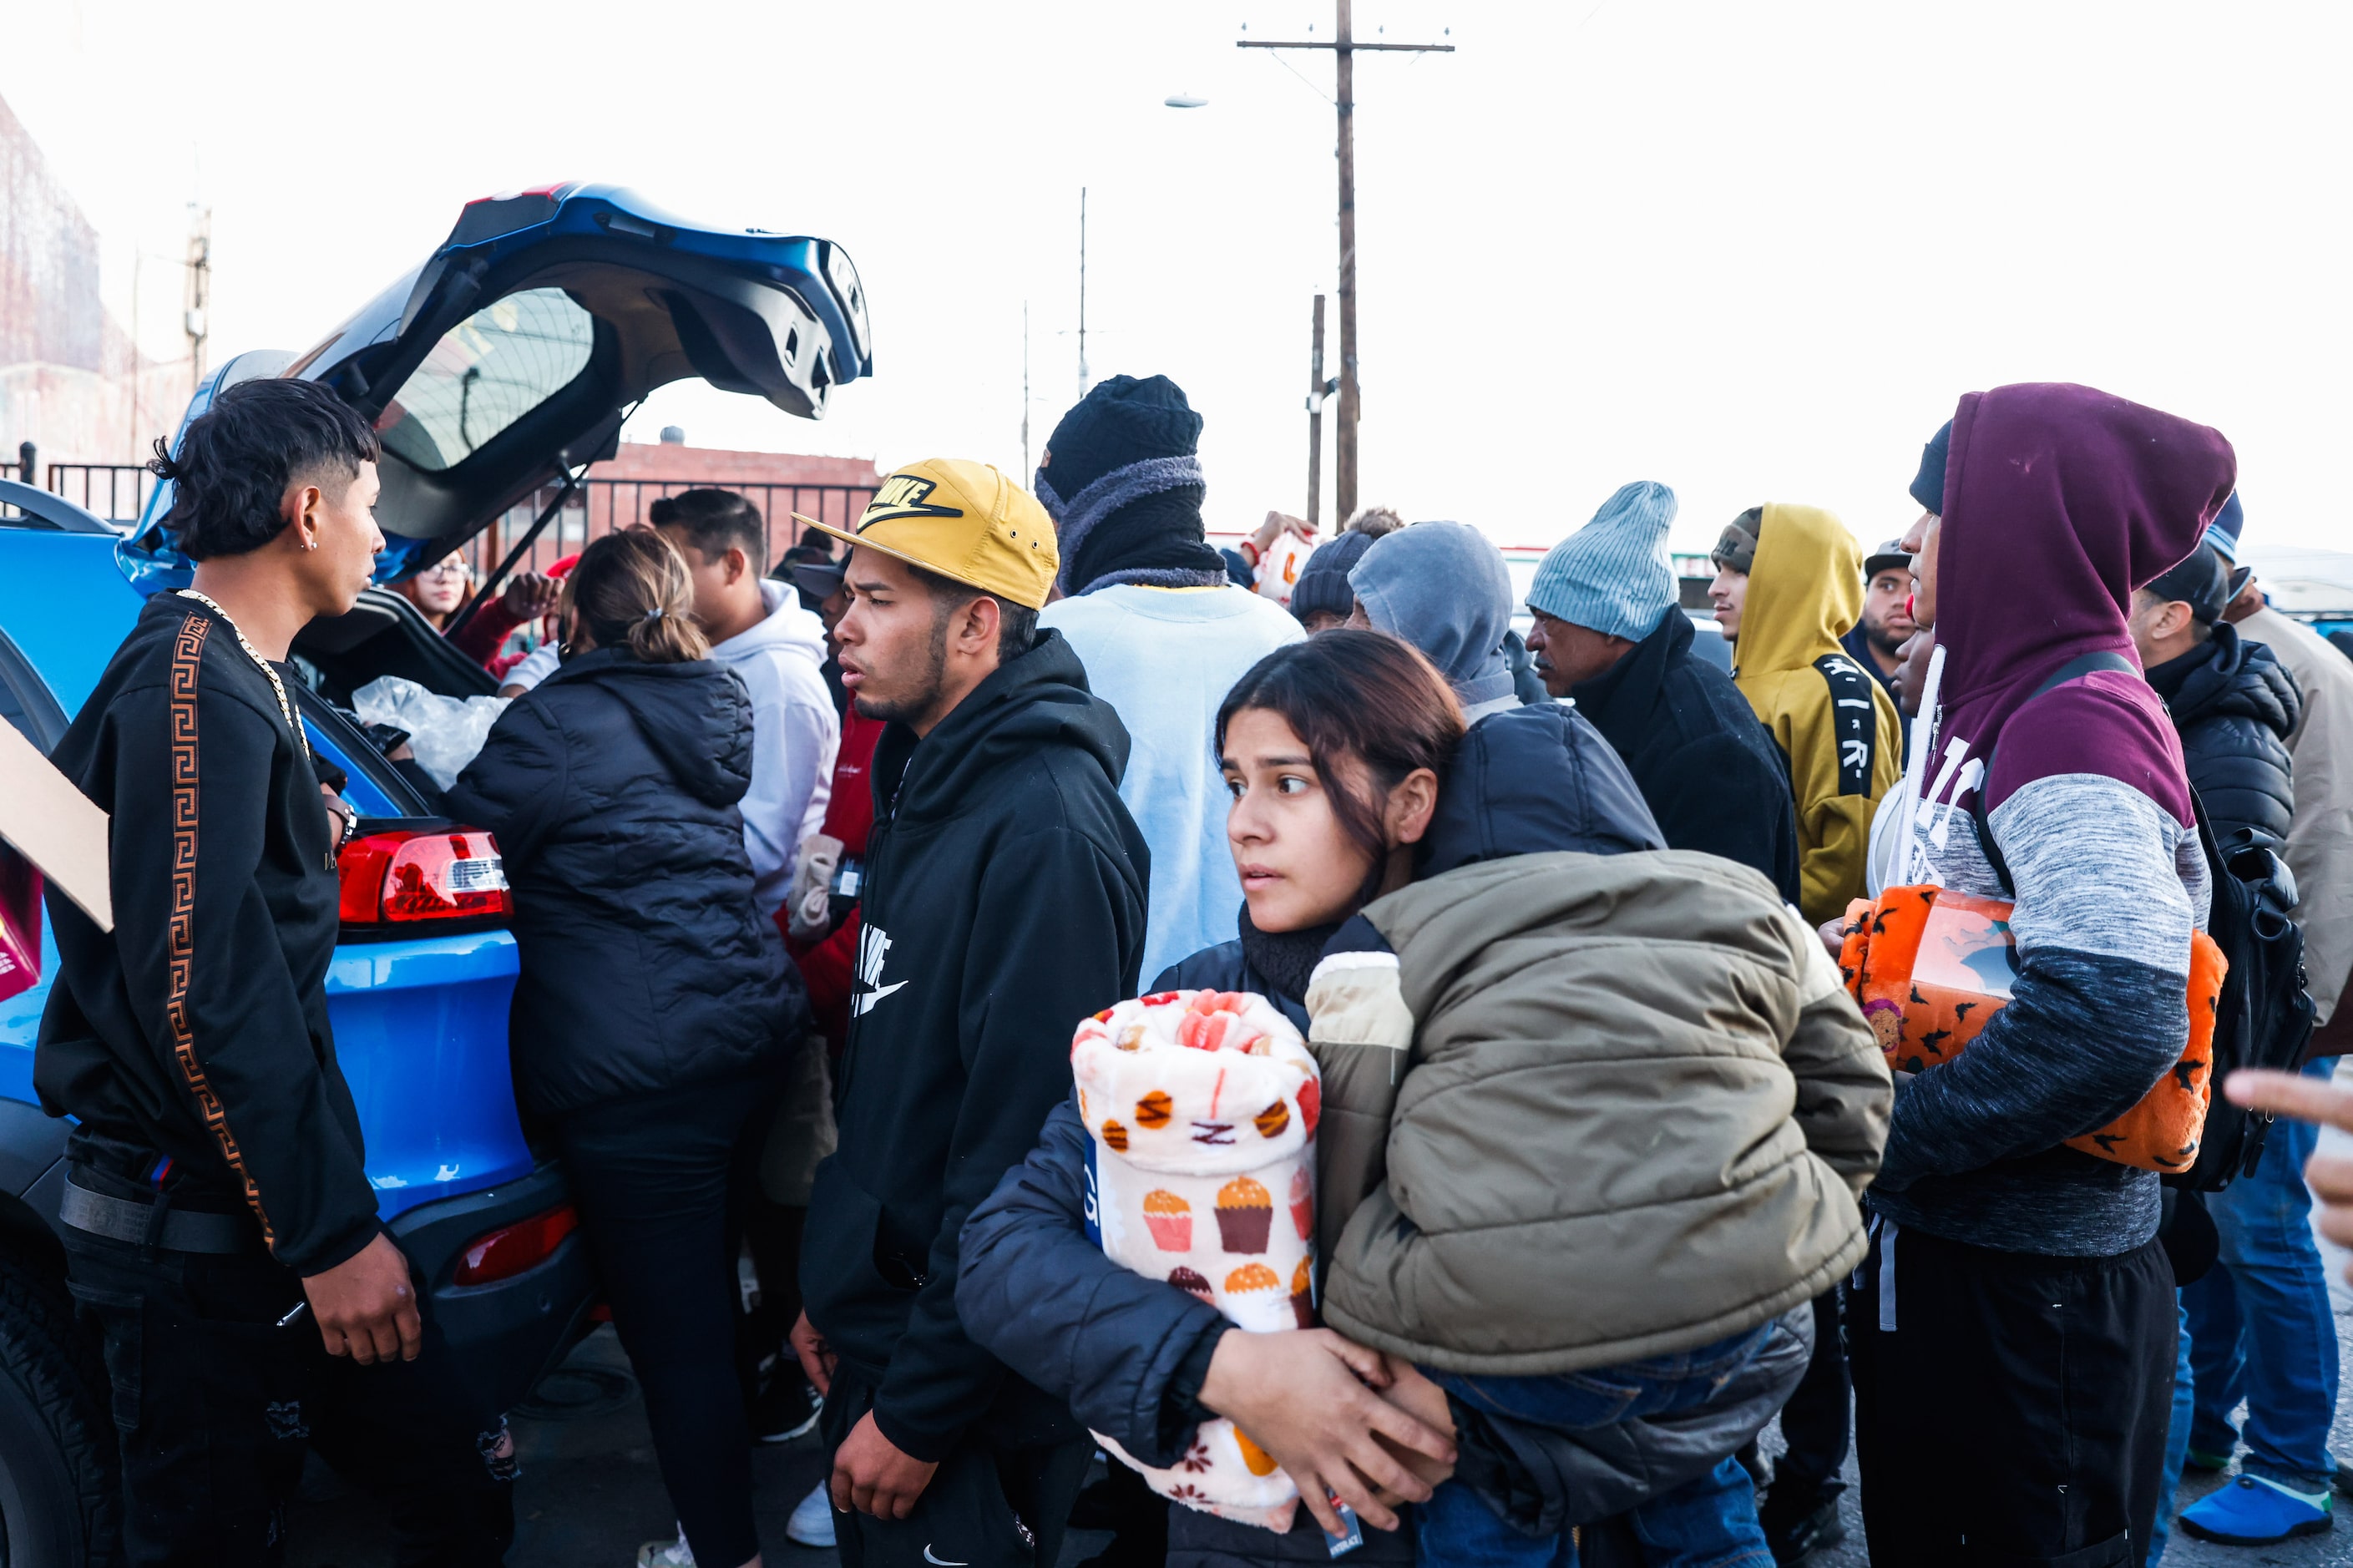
x=54 y=826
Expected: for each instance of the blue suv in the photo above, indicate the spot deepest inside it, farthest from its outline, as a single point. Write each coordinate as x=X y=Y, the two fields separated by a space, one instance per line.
x=506 y=362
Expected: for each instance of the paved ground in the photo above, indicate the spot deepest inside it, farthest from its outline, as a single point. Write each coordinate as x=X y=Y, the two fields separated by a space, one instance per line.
x=590 y=1494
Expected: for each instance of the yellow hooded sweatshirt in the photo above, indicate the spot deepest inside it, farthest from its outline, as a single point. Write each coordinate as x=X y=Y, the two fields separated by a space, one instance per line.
x=1805 y=591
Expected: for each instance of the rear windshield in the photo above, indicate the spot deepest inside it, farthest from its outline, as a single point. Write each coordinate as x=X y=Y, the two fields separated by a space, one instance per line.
x=486 y=372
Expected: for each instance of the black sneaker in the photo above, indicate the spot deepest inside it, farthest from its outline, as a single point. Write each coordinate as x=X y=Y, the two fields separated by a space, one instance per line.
x=1800 y=1527
x=787 y=1407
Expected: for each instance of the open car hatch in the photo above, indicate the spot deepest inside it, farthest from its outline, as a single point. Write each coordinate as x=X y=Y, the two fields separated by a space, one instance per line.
x=515 y=349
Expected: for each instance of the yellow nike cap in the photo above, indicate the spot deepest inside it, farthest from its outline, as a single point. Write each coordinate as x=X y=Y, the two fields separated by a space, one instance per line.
x=966 y=521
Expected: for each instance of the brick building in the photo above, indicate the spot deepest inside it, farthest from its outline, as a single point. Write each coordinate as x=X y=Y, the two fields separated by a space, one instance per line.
x=618 y=493
x=71 y=381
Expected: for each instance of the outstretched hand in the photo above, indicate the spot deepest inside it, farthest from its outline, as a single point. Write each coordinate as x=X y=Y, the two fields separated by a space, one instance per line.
x=531 y=595
x=2330 y=1176
x=1276 y=524
x=1312 y=1401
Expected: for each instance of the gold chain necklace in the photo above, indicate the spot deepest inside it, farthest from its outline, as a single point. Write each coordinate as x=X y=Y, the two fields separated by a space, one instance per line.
x=276 y=686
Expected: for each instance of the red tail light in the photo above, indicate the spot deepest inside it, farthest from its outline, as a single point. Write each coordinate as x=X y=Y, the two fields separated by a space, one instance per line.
x=508 y=1251
x=406 y=874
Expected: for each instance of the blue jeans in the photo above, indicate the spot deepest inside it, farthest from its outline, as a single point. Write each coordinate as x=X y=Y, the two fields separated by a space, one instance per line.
x=1708 y=1521
x=2177 y=1445
x=2261 y=1328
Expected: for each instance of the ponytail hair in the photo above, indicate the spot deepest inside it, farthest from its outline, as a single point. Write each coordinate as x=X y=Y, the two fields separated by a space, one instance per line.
x=631 y=590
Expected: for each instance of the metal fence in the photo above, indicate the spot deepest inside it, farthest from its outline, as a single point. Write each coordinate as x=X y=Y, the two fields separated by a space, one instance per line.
x=599 y=506
x=117 y=491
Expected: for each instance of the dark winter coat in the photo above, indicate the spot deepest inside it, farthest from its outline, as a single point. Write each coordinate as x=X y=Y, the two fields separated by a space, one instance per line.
x=191 y=1043
x=1857 y=644
x=1710 y=770
x=2235 y=706
x=1129 y=1352
x=1004 y=902
x=1229 y=966
x=611 y=787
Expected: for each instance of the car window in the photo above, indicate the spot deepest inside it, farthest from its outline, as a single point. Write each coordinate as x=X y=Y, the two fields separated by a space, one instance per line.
x=486 y=372
x=25 y=702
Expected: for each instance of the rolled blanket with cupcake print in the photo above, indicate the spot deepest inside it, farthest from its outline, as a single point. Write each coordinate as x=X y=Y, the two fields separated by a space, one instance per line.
x=1201 y=1107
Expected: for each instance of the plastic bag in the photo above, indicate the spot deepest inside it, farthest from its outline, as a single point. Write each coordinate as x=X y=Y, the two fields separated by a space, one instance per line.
x=446 y=732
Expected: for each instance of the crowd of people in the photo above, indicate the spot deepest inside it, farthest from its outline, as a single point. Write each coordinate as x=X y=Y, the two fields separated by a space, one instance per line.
x=1629 y=1111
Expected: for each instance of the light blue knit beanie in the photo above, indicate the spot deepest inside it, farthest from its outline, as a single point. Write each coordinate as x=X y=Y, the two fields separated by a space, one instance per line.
x=1613 y=576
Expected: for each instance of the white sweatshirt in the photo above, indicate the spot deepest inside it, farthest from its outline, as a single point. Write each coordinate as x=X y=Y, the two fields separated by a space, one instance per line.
x=795 y=733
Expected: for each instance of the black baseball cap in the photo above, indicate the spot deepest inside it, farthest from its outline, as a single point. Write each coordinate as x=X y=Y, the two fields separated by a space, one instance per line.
x=2200 y=582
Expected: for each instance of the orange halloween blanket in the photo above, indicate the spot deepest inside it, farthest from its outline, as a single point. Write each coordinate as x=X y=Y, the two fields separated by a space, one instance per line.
x=1929 y=966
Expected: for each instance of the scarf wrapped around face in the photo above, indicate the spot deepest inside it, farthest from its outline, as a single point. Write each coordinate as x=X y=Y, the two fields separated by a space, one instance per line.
x=1139 y=523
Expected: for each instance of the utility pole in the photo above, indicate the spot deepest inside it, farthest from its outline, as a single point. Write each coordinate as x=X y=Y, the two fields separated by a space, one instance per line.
x=1028 y=469
x=1343 y=48
x=1318 y=389
x=200 y=290
x=136 y=422
x=1082 y=293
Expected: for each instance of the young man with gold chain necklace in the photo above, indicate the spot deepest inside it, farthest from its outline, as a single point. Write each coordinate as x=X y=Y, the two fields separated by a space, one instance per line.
x=220 y=1226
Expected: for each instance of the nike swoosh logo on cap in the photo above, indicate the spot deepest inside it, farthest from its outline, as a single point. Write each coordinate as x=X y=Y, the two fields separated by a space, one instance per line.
x=943 y=1562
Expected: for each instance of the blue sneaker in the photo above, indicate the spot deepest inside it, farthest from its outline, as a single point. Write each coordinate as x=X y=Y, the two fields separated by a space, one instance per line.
x=2254 y=1511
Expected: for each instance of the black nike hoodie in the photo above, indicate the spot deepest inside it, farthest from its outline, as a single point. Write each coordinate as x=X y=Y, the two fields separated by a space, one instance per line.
x=1003 y=902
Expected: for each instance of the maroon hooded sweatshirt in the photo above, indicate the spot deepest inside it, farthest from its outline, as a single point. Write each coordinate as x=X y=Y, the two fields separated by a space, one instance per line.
x=2059 y=501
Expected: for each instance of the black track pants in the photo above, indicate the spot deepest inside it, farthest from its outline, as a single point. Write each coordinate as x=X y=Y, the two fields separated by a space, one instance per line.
x=213 y=1403
x=2010 y=1409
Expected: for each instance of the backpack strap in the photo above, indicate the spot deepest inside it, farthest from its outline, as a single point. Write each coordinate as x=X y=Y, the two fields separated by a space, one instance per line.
x=2074 y=668
x=1854 y=720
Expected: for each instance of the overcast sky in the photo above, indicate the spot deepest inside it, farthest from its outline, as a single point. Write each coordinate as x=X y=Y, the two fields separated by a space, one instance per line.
x=1752 y=249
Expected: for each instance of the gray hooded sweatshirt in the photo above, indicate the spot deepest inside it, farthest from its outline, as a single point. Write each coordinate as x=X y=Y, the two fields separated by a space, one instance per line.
x=1442 y=586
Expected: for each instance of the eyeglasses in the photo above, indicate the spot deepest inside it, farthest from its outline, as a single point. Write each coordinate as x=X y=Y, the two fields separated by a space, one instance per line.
x=457 y=569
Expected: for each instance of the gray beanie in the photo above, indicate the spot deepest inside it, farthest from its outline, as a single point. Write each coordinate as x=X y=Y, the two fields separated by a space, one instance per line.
x=1443 y=587
x=1613 y=576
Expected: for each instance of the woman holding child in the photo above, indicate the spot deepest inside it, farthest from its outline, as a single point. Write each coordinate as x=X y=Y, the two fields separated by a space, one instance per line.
x=1594 y=1115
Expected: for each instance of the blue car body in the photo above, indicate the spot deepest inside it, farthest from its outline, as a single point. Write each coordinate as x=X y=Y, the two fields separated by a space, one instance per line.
x=637 y=297
x=420 y=1024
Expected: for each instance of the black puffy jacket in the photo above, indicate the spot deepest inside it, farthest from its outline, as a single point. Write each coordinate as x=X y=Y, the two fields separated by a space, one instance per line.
x=1709 y=770
x=611 y=787
x=2235 y=706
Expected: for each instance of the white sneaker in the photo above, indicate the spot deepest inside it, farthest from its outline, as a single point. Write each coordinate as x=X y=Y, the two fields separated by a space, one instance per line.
x=667 y=1553
x=812 y=1520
